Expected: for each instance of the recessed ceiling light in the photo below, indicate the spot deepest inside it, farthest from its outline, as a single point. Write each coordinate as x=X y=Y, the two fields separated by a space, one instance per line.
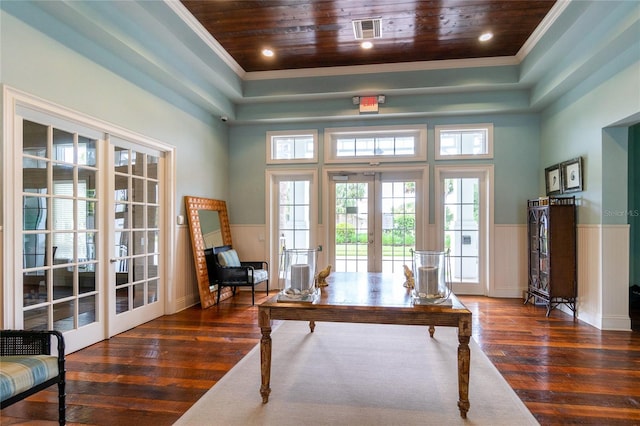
x=366 y=45
x=267 y=52
x=485 y=37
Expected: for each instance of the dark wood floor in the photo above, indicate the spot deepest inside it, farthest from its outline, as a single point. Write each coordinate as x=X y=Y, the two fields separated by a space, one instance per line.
x=565 y=371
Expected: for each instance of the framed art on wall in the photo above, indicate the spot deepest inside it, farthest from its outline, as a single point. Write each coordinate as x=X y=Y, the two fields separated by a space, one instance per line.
x=553 y=179
x=571 y=175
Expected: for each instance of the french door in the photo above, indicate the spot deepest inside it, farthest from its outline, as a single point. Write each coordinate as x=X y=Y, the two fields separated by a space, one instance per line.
x=135 y=237
x=292 y=214
x=462 y=219
x=86 y=243
x=376 y=219
x=60 y=231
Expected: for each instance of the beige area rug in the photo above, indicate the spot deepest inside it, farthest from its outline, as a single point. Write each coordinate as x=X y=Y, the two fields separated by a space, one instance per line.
x=360 y=374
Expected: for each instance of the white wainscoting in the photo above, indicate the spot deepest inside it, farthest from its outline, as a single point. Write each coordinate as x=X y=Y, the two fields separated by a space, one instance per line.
x=510 y=263
x=185 y=283
x=589 y=268
x=615 y=277
x=603 y=276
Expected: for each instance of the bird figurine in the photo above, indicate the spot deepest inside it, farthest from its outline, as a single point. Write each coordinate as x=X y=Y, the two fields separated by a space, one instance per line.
x=321 y=278
x=408 y=274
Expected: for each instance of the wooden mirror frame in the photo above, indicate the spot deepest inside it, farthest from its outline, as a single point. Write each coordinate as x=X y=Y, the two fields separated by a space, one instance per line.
x=193 y=206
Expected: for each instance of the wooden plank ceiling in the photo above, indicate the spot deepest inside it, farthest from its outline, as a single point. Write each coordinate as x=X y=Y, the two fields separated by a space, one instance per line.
x=312 y=34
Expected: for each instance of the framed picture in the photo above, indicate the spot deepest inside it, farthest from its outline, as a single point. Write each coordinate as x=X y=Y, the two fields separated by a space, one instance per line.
x=553 y=179
x=571 y=175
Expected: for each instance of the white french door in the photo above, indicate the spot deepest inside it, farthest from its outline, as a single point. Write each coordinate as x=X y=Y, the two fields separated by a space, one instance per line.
x=377 y=218
x=135 y=256
x=59 y=287
x=291 y=212
x=463 y=217
x=74 y=190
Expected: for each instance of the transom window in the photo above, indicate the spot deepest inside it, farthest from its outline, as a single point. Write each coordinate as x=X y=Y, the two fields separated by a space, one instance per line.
x=464 y=141
x=375 y=144
x=297 y=146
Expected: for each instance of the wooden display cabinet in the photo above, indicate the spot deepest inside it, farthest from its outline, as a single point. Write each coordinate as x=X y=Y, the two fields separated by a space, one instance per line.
x=552 y=252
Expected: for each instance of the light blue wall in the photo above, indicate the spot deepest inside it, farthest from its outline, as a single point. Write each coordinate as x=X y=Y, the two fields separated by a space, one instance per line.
x=575 y=126
x=35 y=63
x=516 y=154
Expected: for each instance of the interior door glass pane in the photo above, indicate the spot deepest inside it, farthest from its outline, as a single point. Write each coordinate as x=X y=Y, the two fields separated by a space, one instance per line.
x=34 y=213
x=138 y=190
x=152 y=167
x=138 y=216
x=87 y=280
x=34 y=139
x=121 y=188
x=87 y=179
x=62 y=179
x=153 y=242
x=62 y=213
x=137 y=163
x=63 y=282
x=63 y=316
x=122 y=300
x=63 y=243
x=36 y=319
x=152 y=216
x=87 y=308
x=138 y=295
x=34 y=176
x=121 y=160
x=152 y=292
x=34 y=248
x=138 y=268
x=152 y=266
x=87 y=217
x=86 y=246
x=87 y=153
x=139 y=241
x=121 y=216
x=152 y=192
x=34 y=287
x=63 y=149
x=122 y=244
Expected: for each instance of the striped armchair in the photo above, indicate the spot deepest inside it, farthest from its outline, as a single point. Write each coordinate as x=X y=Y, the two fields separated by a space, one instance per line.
x=27 y=366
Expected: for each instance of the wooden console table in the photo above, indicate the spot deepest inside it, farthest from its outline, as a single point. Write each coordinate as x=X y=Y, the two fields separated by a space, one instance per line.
x=368 y=298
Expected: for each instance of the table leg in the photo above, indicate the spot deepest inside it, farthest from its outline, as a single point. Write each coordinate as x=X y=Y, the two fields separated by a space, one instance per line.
x=265 y=356
x=432 y=330
x=464 y=360
x=312 y=325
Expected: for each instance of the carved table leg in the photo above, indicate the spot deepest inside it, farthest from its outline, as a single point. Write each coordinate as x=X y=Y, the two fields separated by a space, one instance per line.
x=265 y=355
x=464 y=360
x=312 y=325
x=432 y=330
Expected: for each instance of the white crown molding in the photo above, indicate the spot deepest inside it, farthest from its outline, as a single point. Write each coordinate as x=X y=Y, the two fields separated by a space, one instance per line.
x=186 y=16
x=541 y=29
x=383 y=68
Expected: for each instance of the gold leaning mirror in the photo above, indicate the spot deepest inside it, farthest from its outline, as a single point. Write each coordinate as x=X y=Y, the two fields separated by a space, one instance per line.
x=209 y=227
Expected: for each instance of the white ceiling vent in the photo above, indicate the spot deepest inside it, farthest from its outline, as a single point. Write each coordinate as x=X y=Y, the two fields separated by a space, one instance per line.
x=367 y=28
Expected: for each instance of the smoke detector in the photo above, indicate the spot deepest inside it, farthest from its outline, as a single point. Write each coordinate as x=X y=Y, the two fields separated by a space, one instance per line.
x=370 y=28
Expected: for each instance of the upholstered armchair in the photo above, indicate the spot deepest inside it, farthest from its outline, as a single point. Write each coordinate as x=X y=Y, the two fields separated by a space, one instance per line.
x=27 y=366
x=226 y=270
